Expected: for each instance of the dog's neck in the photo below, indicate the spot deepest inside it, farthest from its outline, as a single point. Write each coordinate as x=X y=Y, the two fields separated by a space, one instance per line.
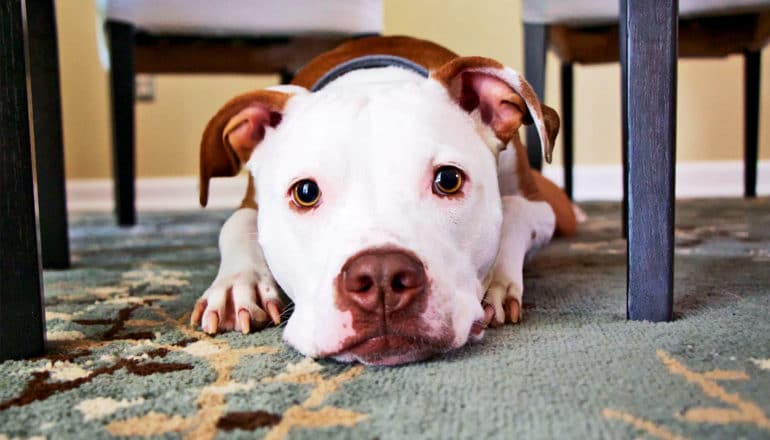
x=368 y=62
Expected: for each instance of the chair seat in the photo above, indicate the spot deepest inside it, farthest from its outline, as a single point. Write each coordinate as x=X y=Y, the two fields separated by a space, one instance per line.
x=605 y=11
x=252 y=18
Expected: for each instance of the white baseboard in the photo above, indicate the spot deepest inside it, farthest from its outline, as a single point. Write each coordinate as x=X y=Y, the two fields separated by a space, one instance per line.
x=693 y=180
x=592 y=182
x=156 y=194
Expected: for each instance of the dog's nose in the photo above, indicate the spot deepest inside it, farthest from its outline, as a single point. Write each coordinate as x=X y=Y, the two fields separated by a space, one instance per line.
x=383 y=279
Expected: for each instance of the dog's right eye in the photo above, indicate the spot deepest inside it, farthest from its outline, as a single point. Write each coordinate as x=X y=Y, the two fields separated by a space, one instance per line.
x=306 y=193
x=448 y=180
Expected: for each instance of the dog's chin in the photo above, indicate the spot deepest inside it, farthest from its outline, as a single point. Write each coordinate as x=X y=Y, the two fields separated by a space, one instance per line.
x=389 y=350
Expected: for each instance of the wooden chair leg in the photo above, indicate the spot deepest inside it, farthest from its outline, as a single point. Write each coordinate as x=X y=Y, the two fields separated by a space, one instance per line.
x=47 y=123
x=751 y=91
x=286 y=76
x=22 y=319
x=567 y=124
x=650 y=77
x=121 y=44
x=535 y=46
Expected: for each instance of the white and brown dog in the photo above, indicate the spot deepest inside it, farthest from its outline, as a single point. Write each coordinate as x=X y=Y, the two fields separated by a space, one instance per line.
x=396 y=203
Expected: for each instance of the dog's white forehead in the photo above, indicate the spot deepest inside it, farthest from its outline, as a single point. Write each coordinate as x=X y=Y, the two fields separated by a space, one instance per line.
x=384 y=114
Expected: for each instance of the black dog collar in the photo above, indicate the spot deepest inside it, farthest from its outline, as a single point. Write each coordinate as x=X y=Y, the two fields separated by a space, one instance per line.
x=368 y=62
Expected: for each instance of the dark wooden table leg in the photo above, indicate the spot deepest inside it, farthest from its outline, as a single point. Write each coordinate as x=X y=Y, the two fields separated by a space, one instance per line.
x=650 y=77
x=22 y=320
x=535 y=46
x=49 y=149
x=567 y=124
x=751 y=90
x=121 y=42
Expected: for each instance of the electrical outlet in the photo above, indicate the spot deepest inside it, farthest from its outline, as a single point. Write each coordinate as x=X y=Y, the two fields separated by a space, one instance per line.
x=145 y=88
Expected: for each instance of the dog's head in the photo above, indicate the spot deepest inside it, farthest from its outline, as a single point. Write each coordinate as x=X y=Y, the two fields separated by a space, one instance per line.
x=379 y=205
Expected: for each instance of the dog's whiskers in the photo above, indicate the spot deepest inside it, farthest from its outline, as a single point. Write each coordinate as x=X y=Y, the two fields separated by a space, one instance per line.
x=285 y=314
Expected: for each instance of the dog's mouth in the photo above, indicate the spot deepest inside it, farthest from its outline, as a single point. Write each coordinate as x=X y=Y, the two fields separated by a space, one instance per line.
x=390 y=350
x=389 y=347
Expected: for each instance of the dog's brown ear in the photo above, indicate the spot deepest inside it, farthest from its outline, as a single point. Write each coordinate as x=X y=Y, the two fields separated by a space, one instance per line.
x=552 y=125
x=504 y=99
x=233 y=133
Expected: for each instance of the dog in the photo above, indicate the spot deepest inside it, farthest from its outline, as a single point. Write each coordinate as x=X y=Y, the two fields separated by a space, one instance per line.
x=390 y=198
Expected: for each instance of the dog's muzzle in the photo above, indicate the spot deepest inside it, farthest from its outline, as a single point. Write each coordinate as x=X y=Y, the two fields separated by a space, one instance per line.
x=386 y=291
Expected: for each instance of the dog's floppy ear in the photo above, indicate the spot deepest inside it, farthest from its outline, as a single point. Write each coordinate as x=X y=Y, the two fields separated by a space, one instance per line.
x=504 y=99
x=234 y=131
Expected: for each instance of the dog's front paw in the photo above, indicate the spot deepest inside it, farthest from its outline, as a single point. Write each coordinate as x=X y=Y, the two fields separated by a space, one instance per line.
x=241 y=301
x=503 y=301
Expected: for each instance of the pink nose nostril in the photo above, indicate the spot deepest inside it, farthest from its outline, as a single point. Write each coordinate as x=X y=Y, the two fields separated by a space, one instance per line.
x=397 y=284
x=407 y=279
x=382 y=279
x=360 y=284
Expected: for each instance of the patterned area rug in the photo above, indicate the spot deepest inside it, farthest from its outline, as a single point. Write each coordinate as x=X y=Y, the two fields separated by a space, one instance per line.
x=122 y=361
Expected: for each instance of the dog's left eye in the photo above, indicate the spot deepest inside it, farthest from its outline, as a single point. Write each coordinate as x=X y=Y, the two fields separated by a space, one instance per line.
x=447 y=181
x=306 y=193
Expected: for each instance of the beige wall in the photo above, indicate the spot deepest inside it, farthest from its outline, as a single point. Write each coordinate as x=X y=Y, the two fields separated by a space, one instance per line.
x=709 y=101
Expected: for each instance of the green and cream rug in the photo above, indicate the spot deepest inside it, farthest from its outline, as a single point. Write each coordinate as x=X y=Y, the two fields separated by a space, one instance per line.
x=122 y=361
